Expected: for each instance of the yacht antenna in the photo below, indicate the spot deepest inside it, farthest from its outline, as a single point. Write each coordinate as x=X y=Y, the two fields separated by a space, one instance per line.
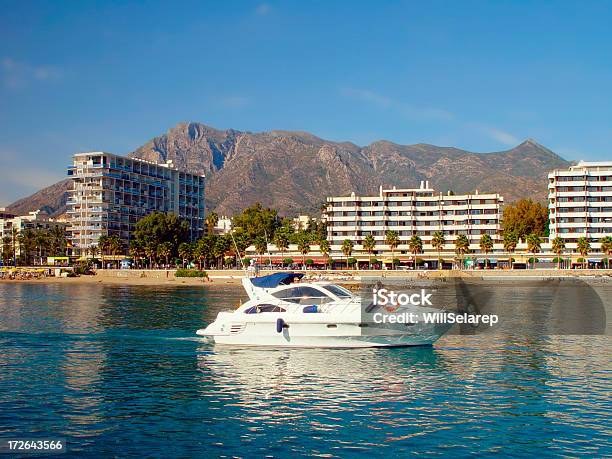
x=238 y=253
x=269 y=253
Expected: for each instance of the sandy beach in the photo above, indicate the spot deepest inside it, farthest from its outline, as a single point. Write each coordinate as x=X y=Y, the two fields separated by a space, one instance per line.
x=233 y=277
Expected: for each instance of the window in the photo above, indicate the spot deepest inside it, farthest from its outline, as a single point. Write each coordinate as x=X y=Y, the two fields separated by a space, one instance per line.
x=303 y=295
x=338 y=291
x=264 y=308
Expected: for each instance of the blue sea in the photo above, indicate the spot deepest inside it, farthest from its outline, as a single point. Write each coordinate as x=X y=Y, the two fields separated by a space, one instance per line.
x=118 y=371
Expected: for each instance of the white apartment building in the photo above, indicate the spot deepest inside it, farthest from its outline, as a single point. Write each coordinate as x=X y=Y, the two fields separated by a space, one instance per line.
x=111 y=193
x=415 y=211
x=580 y=202
x=12 y=225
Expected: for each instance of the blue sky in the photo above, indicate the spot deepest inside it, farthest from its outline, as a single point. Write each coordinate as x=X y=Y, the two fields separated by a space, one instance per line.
x=85 y=75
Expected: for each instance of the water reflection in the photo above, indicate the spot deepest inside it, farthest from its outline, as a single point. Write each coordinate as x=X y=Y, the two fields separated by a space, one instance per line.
x=118 y=371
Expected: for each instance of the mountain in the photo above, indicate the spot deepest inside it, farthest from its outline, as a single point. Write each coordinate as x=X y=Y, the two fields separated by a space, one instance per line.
x=51 y=200
x=294 y=171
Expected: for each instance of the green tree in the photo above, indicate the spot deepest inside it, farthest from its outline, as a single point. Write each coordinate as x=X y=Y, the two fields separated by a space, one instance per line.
x=584 y=247
x=93 y=250
x=27 y=244
x=303 y=246
x=136 y=251
x=486 y=245
x=437 y=242
x=42 y=240
x=59 y=241
x=462 y=246
x=7 y=251
x=164 y=250
x=256 y=221
x=525 y=217
x=510 y=241
x=281 y=241
x=606 y=248
x=369 y=244
x=347 y=250
x=14 y=243
x=220 y=247
x=261 y=245
x=558 y=246
x=325 y=248
x=534 y=245
x=415 y=245
x=159 y=227
x=150 y=249
x=211 y=221
x=104 y=247
x=185 y=252
x=392 y=240
x=115 y=246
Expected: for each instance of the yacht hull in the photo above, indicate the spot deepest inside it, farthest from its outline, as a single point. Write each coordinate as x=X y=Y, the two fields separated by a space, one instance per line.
x=319 y=335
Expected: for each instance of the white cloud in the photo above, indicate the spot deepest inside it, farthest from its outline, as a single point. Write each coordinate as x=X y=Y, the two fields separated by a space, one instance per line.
x=263 y=9
x=15 y=74
x=406 y=110
x=498 y=135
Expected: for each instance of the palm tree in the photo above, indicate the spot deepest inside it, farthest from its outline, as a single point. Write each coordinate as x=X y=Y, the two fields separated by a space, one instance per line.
x=27 y=243
x=584 y=247
x=369 y=244
x=136 y=250
x=104 y=246
x=324 y=248
x=93 y=250
x=392 y=240
x=416 y=246
x=558 y=246
x=185 y=251
x=201 y=251
x=303 y=246
x=347 y=249
x=534 y=244
x=606 y=248
x=42 y=243
x=510 y=241
x=219 y=247
x=211 y=221
x=58 y=241
x=437 y=242
x=14 y=243
x=115 y=245
x=281 y=241
x=164 y=250
x=150 y=250
x=462 y=246
x=6 y=249
x=486 y=245
x=261 y=245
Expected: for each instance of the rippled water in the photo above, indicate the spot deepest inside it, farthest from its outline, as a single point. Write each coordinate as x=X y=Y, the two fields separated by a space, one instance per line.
x=118 y=371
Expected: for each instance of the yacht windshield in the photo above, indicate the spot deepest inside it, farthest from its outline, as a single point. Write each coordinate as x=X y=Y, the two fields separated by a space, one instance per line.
x=303 y=295
x=340 y=292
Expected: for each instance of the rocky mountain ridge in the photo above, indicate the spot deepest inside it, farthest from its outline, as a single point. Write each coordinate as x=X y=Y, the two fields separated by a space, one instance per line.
x=295 y=171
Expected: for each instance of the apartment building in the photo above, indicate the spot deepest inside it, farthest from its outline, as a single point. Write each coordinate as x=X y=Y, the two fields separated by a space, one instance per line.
x=580 y=202
x=12 y=225
x=110 y=193
x=416 y=211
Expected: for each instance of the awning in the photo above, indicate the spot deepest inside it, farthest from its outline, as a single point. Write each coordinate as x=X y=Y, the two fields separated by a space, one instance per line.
x=276 y=279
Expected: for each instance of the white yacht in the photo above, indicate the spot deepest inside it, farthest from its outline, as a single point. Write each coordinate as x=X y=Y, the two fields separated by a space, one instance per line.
x=284 y=312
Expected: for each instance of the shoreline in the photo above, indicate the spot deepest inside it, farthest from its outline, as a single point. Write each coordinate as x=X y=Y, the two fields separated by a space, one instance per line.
x=233 y=277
